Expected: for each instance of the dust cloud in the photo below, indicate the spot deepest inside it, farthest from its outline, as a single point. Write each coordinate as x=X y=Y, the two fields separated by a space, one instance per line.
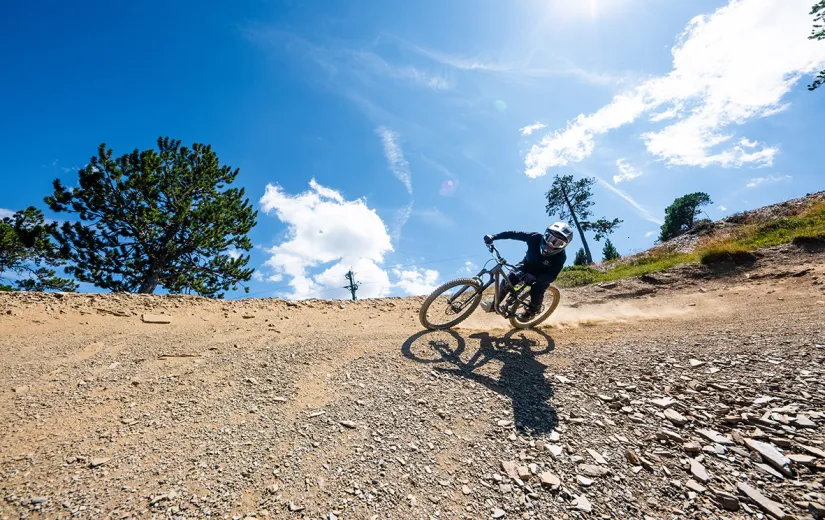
x=583 y=316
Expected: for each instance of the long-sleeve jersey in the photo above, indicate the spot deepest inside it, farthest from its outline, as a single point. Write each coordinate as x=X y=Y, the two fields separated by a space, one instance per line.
x=545 y=268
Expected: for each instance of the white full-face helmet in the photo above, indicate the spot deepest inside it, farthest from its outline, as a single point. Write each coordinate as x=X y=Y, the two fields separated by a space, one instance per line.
x=556 y=238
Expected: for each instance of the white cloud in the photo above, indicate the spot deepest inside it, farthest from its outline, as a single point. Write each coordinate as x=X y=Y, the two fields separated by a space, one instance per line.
x=258 y=276
x=234 y=254
x=468 y=267
x=641 y=210
x=649 y=234
x=529 y=129
x=401 y=169
x=6 y=213
x=401 y=217
x=379 y=66
x=626 y=172
x=323 y=228
x=395 y=157
x=769 y=179
x=415 y=281
x=729 y=67
x=338 y=60
x=723 y=209
x=522 y=68
x=374 y=282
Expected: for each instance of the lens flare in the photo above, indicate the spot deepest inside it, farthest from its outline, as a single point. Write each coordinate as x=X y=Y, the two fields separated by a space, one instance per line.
x=447 y=187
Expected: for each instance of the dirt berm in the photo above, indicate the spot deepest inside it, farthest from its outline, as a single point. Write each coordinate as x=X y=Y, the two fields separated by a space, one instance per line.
x=693 y=393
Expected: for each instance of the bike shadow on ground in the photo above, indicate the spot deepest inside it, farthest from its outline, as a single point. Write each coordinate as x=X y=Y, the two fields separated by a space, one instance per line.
x=521 y=377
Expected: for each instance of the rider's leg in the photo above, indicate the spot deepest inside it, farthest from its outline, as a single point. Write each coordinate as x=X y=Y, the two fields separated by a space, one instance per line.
x=505 y=288
x=537 y=294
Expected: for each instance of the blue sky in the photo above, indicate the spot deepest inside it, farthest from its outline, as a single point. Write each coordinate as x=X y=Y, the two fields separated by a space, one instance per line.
x=424 y=125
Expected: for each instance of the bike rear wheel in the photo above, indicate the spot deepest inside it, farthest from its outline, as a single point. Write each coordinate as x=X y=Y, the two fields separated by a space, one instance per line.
x=551 y=300
x=450 y=304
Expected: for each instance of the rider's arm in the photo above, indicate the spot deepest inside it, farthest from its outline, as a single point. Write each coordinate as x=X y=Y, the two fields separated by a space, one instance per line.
x=512 y=235
x=556 y=266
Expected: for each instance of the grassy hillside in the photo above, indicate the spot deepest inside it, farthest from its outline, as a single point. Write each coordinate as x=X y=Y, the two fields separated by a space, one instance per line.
x=734 y=244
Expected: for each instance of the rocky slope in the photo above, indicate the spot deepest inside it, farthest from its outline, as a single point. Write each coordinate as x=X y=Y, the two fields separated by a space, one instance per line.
x=690 y=394
x=705 y=229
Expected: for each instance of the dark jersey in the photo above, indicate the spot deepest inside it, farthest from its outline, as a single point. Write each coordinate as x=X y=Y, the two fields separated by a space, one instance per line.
x=545 y=268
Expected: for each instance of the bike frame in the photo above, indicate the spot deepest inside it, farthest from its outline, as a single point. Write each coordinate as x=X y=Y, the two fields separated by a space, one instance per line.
x=495 y=277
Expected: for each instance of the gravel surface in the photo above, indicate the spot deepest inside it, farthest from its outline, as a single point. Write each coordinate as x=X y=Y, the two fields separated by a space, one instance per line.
x=694 y=394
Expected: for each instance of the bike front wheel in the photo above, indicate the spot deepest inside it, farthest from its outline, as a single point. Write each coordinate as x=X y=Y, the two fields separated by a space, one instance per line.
x=450 y=304
x=551 y=300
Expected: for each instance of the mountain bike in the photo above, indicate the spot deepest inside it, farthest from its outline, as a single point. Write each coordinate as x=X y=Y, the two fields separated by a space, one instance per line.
x=454 y=301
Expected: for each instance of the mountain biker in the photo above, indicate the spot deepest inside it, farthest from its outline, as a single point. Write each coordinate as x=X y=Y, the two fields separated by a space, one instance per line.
x=542 y=263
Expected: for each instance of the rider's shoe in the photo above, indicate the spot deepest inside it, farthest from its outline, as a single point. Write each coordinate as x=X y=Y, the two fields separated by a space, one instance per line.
x=529 y=314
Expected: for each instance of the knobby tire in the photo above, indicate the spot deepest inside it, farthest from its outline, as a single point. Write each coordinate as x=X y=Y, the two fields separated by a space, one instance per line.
x=471 y=282
x=538 y=320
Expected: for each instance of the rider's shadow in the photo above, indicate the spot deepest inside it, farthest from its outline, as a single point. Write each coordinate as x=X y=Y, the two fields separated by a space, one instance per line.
x=521 y=378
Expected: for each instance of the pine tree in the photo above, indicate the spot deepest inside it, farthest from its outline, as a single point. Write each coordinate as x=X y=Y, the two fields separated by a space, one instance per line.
x=28 y=256
x=581 y=257
x=818 y=33
x=164 y=217
x=681 y=215
x=609 y=252
x=571 y=200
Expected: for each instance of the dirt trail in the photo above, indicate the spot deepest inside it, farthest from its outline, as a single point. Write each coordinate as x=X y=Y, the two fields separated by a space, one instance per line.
x=350 y=410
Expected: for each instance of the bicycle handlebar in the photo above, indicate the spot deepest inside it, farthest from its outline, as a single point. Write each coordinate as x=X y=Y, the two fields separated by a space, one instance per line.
x=495 y=253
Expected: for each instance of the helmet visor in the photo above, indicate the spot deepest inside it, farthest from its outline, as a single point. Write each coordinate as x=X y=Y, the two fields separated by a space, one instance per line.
x=554 y=242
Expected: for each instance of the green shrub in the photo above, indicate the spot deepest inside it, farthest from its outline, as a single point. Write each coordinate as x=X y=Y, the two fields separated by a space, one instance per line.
x=725 y=252
x=577 y=276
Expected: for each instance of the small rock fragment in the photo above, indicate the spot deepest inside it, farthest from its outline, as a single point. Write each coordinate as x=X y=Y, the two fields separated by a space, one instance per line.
x=692 y=447
x=549 y=480
x=675 y=417
x=726 y=501
x=98 y=461
x=510 y=468
x=668 y=435
x=771 y=455
x=695 y=486
x=715 y=437
x=663 y=403
x=155 y=318
x=805 y=460
x=765 y=504
x=583 y=504
x=803 y=421
x=816 y=452
x=633 y=458
x=596 y=456
x=591 y=470
x=699 y=471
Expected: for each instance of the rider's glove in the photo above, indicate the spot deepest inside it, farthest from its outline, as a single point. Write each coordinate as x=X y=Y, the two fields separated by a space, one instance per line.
x=488 y=239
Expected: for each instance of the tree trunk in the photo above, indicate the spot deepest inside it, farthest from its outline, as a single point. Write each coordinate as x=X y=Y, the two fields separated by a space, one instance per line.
x=150 y=283
x=578 y=226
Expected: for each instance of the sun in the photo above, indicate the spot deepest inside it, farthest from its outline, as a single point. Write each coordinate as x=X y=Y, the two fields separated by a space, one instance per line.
x=568 y=10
